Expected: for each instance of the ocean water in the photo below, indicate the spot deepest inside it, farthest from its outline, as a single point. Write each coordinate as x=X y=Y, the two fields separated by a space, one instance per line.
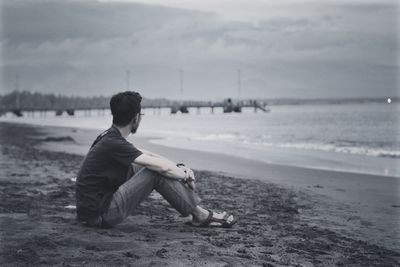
x=361 y=137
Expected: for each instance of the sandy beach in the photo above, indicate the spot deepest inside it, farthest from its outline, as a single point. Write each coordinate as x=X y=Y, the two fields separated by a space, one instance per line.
x=288 y=216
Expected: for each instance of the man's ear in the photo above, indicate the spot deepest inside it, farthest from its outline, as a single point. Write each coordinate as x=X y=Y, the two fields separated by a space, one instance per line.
x=135 y=119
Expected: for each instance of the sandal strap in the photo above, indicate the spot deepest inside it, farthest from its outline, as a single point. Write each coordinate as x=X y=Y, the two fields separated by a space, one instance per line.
x=208 y=220
x=224 y=221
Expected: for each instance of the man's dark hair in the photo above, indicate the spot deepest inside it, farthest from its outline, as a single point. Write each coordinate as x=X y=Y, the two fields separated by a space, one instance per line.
x=124 y=107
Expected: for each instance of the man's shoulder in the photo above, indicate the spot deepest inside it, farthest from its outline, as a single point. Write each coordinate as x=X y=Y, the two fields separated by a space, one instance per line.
x=109 y=135
x=112 y=140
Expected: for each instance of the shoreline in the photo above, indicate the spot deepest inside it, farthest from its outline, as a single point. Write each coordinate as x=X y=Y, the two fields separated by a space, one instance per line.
x=278 y=225
x=81 y=147
x=318 y=159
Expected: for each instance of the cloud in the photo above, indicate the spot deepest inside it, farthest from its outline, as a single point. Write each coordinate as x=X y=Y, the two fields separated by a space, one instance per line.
x=35 y=21
x=85 y=47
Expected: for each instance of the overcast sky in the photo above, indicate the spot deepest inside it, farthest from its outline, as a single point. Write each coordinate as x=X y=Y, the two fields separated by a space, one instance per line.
x=307 y=49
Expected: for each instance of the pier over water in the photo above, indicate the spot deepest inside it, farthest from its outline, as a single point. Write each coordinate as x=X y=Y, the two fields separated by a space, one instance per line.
x=30 y=104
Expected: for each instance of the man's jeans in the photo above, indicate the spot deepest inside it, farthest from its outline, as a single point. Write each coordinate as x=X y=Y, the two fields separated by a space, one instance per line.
x=139 y=186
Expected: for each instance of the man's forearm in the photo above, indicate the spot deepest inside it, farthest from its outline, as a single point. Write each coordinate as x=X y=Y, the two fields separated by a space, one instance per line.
x=153 y=154
x=174 y=173
x=170 y=169
x=161 y=165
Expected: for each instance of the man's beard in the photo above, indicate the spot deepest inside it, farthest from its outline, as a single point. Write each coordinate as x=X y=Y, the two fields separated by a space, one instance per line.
x=134 y=128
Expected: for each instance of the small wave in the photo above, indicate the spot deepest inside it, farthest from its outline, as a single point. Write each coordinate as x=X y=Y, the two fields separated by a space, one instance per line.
x=195 y=136
x=393 y=155
x=340 y=149
x=369 y=151
x=216 y=137
x=59 y=139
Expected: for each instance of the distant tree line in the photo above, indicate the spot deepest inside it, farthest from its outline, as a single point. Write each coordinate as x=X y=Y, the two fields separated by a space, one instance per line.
x=25 y=100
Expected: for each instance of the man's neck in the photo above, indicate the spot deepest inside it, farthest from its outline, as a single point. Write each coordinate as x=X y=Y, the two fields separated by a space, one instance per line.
x=125 y=131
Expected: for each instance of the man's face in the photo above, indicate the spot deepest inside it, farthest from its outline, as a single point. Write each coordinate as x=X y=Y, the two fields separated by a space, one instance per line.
x=136 y=122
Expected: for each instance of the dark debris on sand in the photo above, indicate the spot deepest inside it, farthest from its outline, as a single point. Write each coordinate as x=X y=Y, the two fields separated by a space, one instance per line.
x=37 y=228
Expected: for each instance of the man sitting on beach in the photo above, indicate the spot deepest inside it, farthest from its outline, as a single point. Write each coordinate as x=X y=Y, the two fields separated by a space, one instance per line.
x=115 y=176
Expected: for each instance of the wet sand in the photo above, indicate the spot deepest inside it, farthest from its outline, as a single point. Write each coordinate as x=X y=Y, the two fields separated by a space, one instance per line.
x=278 y=226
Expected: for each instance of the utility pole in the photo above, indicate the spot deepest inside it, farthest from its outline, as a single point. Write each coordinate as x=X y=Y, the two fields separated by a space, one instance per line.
x=239 y=71
x=128 y=79
x=17 y=100
x=181 y=82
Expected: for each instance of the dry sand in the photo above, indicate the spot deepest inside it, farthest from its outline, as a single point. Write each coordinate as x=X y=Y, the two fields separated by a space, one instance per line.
x=278 y=226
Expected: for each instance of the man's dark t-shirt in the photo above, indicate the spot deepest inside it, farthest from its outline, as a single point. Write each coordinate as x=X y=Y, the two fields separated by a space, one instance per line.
x=103 y=170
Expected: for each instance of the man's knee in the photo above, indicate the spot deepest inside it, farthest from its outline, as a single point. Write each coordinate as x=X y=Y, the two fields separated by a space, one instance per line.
x=148 y=175
x=136 y=167
x=147 y=172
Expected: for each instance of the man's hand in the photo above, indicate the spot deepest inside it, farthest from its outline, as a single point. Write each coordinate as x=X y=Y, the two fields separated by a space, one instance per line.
x=189 y=173
x=191 y=185
x=190 y=179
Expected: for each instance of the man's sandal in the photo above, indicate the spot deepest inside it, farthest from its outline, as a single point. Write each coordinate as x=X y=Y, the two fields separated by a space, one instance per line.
x=212 y=221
